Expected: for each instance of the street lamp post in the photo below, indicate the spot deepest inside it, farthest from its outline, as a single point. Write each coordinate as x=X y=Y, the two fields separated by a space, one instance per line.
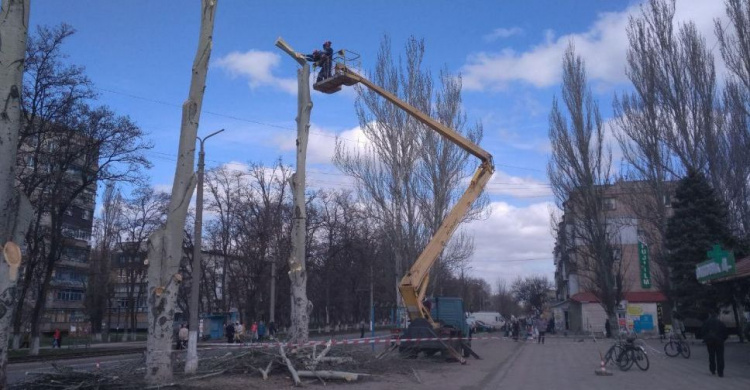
x=191 y=362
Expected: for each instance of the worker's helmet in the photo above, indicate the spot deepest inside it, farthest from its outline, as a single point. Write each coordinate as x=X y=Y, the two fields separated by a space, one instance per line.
x=327 y=43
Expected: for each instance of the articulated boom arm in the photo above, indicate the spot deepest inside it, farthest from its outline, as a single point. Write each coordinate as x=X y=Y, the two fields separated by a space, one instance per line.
x=413 y=286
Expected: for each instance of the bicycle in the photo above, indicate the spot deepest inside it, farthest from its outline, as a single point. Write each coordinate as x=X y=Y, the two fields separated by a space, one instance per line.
x=614 y=352
x=632 y=353
x=677 y=346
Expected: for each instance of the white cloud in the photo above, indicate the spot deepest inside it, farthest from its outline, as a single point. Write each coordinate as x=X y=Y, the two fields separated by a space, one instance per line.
x=603 y=46
x=513 y=241
x=321 y=144
x=500 y=33
x=165 y=188
x=257 y=66
x=503 y=183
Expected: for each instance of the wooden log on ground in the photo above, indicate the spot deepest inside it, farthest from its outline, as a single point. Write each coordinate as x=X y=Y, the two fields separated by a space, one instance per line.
x=325 y=374
x=290 y=366
x=267 y=370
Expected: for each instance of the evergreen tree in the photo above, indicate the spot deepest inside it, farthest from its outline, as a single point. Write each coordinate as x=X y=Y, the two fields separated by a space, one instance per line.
x=699 y=222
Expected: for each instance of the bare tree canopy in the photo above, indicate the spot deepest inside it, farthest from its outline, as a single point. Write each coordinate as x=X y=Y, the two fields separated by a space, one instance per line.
x=411 y=175
x=580 y=174
x=532 y=291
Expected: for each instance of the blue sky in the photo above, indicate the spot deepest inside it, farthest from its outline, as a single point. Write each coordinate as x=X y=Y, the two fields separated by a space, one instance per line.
x=139 y=54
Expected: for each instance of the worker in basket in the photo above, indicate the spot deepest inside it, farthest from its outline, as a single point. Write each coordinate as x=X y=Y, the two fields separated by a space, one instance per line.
x=323 y=59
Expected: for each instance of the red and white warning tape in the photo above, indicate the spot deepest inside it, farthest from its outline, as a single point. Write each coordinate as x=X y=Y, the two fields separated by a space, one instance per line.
x=368 y=340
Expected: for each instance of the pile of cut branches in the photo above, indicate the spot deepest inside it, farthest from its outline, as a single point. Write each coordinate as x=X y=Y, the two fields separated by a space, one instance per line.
x=126 y=375
x=319 y=364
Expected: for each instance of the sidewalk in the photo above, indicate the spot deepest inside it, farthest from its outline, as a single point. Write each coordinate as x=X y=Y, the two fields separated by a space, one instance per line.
x=568 y=363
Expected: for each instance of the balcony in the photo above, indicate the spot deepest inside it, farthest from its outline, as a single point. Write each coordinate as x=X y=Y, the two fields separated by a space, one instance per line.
x=77 y=234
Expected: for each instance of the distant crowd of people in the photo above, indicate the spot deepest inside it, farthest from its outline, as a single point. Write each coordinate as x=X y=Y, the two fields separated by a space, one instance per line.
x=237 y=332
x=529 y=328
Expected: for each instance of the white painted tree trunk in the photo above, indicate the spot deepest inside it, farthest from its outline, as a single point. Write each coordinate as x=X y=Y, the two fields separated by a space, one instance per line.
x=165 y=245
x=15 y=209
x=299 y=330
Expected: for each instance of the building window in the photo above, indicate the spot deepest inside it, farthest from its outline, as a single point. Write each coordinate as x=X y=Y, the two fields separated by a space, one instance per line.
x=609 y=203
x=69 y=295
x=86 y=215
x=616 y=254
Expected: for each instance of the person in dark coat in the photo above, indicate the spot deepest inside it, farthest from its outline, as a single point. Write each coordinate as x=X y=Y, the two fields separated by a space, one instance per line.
x=271 y=329
x=607 y=328
x=714 y=334
x=230 y=333
x=326 y=61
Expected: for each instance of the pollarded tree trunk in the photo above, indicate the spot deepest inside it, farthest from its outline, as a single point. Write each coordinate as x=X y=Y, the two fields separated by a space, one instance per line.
x=165 y=245
x=297 y=273
x=15 y=209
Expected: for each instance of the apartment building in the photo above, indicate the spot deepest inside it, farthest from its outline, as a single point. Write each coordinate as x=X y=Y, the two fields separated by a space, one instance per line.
x=127 y=306
x=49 y=168
x=577 y=308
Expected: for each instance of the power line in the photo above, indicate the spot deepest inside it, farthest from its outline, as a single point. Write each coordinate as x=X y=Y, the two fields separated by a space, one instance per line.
x=170 y=104
x=224 y=115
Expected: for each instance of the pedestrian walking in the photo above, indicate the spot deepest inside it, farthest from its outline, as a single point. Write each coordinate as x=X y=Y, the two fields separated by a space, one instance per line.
x=362 y=329
x=57 y=338
x=271 y=330
x=254 y=331
x=662 y=336
x=261 y=330
x=541 y=327
x=516 y=329
x=607 y=328
x=239 y=332
x=26 y=339
x=183 y=337
x=678 y=327
x=714 y=334
x=229 y=332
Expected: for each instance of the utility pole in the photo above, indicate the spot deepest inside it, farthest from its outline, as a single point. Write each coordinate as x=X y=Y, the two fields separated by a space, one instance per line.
x=372 y=311
x=191 y=361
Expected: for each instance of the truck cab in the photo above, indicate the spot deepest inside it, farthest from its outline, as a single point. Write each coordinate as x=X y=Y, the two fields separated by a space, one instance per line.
x=448 y=312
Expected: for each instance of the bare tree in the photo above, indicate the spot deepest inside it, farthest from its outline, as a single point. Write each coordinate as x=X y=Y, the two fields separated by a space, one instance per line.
x=144 y=211
x=107 y=228
x=15 y=210
x=731 y=158
x=227 y=189
x=532 y=292
x=579 y=173
x=52 y=91
x=412 y=175
x=165 y=245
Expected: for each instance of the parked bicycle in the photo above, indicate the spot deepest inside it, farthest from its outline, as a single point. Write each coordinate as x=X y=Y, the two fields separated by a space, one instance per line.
x=632 y=353
x=677 y=346
x=614 y=352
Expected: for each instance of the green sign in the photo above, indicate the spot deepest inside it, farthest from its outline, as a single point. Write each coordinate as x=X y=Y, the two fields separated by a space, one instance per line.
x=721 y=264
x=645 y=267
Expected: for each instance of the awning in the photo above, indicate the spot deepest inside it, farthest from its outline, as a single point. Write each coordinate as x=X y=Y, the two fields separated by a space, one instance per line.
x=742 y=271
x=631 y=297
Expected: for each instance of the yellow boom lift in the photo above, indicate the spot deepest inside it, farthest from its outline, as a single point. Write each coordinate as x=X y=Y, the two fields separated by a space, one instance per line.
x=413 y=285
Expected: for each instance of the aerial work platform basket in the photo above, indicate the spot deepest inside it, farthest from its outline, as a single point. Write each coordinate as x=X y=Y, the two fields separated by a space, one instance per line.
x=341 y=75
